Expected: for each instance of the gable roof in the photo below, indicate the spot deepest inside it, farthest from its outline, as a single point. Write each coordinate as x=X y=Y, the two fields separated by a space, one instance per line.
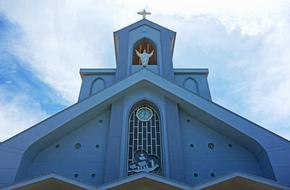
x=240 y=180
x=144 y=22
x=156 y=181
x=251 y=135
x=50 y=181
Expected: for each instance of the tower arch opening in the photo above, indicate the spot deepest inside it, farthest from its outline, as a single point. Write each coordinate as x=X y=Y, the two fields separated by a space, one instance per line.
x=148 y=46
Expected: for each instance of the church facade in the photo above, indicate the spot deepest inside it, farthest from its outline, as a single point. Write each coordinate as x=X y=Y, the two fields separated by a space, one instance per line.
x=145 y=125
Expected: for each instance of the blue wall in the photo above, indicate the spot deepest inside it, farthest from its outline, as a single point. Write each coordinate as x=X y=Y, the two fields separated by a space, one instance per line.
x=95 y=80
x=62 y=156
x=201 y=162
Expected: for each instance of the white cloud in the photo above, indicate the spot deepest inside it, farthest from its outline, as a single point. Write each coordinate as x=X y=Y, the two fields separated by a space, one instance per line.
x=248 y=67
x=59 y=38
x=18 y=114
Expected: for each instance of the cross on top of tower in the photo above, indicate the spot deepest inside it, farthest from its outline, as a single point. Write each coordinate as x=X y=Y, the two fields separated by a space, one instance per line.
x=144 y=13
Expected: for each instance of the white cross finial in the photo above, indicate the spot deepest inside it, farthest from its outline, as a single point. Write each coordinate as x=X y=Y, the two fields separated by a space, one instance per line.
x=144 y=13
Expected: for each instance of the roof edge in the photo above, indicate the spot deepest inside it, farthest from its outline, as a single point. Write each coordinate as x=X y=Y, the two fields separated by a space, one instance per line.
x=141 y=175
x=248 y=176
x=49 y=176
x=144 y=22
x=204 y=71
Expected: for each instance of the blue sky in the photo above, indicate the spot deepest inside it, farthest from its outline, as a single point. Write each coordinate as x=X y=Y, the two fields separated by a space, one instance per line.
x=245 y=45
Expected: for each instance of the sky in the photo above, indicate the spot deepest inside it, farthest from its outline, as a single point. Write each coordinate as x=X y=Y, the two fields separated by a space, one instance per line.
x=244 y=44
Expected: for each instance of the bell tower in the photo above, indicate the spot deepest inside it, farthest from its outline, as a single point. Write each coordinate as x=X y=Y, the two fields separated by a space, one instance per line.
x=144 y=44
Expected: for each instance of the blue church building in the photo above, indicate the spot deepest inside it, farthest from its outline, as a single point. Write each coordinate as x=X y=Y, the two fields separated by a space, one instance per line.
x=145 y=125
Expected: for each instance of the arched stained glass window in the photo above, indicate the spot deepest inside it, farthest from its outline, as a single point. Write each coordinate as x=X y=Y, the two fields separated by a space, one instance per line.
x=144 y=141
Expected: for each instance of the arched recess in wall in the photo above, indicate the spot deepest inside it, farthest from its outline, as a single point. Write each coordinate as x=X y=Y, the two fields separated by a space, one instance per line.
x=140 y=46
x=144 y=139
x=97 y=85
x=191 y=85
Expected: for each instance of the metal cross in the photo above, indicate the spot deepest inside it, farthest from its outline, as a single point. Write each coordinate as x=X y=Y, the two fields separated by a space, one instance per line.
x=144 y=13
